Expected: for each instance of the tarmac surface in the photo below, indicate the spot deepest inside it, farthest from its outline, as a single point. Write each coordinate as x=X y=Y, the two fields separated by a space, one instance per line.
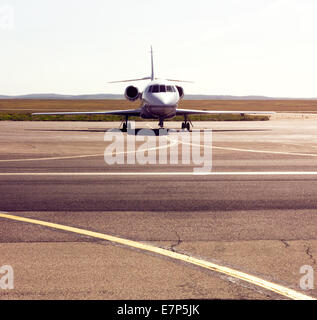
x=255 y=211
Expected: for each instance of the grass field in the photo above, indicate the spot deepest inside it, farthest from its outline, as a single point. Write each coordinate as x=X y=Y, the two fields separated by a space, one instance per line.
x=20 y=110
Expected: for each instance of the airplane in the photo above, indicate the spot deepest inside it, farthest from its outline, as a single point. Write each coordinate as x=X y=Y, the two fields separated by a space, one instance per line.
x=159 y=100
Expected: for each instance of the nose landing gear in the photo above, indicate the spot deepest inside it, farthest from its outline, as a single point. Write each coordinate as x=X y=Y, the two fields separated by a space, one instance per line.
x=161 y=124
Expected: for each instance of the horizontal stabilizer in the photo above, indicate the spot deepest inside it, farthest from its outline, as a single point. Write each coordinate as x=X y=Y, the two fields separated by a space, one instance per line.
x=179 y=80
x=145 y=78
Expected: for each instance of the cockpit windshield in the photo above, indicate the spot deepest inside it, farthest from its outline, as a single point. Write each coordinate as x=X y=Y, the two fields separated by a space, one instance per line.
x=161 y=88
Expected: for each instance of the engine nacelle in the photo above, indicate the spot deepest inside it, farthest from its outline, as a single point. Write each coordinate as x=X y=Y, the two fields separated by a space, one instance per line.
x=180 y=92
x=132 y=93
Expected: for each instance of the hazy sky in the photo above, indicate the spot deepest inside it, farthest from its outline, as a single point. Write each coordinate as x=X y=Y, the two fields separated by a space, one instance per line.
x=235 y=47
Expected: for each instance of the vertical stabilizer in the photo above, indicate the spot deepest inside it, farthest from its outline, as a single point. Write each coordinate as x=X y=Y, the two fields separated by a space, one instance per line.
x=152 y=65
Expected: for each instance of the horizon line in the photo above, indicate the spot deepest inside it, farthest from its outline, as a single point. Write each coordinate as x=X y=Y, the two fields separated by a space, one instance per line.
x=119 y=96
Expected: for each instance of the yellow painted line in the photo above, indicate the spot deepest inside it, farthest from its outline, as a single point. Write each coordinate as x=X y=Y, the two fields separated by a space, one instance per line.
x=279 y=289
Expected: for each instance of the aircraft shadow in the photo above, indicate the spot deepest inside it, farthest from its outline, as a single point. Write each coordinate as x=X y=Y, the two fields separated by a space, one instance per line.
x=241 y=130
x=146 y=132
x=68 y=130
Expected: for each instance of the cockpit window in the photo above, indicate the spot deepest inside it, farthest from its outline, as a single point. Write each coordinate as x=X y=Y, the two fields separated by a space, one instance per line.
x=161 y=88
x=155 y=89
x=170 y=89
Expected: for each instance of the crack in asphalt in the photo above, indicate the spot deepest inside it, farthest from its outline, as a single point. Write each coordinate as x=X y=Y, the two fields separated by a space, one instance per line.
x=308 y=252
x=285 y=243
x=179 y=241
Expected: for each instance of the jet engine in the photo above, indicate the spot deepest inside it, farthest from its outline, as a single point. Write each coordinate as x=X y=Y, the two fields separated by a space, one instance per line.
x=180 y=92
x=132 y=93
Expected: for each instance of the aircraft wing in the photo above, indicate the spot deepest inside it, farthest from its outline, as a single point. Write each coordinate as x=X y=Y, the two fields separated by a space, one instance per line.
x=181 y=112
x=131 y=112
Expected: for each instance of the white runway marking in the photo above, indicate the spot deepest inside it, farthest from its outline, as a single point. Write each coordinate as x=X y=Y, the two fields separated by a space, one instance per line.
x=53 y=158
x=173 y=142
x=268 y=151
x=252 y=150
x=180 y=173
x=91 y=155
x=279 y=289
x=247 y=150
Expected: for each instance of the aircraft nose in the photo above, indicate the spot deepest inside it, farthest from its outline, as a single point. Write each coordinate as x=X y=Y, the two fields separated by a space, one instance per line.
x=162 y=100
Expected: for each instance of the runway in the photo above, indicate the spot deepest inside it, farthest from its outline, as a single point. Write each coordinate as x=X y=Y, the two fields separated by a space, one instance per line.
x=254 y=212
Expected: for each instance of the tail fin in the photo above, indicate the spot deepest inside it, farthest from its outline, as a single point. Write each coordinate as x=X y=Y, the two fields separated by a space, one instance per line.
x=152 y=65
x=152 y=77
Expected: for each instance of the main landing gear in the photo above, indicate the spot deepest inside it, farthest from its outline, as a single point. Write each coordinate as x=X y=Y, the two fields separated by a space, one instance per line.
x=125 y=124
x=186 y=124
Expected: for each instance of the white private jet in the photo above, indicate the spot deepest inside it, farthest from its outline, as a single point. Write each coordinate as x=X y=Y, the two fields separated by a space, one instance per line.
x=159 y=100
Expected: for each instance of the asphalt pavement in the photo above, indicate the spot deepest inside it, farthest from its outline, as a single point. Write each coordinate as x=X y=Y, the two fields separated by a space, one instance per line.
x=253 y=210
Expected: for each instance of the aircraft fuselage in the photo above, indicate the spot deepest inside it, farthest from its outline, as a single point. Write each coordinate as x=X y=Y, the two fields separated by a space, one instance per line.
x=159 y=100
